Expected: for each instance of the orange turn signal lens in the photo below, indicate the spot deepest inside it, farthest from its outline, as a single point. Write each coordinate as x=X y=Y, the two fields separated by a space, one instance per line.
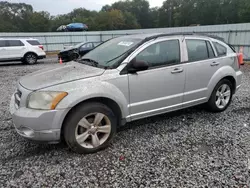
x=57 y=99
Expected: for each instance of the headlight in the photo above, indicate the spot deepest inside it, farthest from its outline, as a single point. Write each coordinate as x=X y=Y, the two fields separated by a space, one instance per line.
x=45 y=100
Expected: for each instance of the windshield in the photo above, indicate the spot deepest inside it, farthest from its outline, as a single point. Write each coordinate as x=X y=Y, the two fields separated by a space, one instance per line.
x=109 y=53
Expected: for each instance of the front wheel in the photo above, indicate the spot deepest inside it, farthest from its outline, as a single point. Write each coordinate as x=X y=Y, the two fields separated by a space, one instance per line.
x=90 y=128
x=74 y=56
x=221 y=96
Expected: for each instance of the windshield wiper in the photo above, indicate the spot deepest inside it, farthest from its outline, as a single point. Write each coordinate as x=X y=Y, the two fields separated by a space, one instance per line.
x=89 y=62
x=127 y=52
x=116 y=57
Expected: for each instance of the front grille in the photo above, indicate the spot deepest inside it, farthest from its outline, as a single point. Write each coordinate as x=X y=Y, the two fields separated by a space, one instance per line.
x=18 y=96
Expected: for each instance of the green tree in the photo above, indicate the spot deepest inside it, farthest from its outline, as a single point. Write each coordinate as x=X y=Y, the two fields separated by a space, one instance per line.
x=39 y=21
x=244 y=10
x=112 y=20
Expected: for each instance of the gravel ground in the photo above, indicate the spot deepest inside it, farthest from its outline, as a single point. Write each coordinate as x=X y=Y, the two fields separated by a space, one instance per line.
x=189 y=148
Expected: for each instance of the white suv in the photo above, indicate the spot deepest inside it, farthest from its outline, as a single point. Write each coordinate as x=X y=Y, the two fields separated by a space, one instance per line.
x=26 y=50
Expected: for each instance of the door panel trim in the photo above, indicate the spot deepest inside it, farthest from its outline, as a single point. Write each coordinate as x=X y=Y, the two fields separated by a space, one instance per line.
x=153 y=112
x=195 y=91
x=163 y=110
x=155 y=100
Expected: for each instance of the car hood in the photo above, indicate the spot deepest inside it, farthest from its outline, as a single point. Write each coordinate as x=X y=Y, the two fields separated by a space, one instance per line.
x=58 y=74
x=67 y=50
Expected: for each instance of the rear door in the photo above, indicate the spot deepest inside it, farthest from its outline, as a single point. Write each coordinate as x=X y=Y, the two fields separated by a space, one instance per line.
x=201 y=66
x=15 y=49
x=3 y=51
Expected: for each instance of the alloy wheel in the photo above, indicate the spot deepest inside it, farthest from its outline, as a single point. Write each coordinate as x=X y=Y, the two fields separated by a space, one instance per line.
x=223 y=96
x=93 y=130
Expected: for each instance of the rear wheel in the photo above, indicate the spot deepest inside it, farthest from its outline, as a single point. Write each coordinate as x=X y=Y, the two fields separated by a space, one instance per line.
x=30 y=58
x=221 y=96
x=90 y=128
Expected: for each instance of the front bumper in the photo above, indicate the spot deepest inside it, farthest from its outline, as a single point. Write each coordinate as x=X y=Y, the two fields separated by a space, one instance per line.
x=38 y=125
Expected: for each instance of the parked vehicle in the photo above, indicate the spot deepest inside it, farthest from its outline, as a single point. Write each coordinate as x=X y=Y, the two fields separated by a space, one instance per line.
x=73 y=27
x=26 y=50
x=122 y=80
x=79 y=50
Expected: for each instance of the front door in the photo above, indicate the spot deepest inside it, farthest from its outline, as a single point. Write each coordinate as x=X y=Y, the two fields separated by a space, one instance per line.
x=160 y=88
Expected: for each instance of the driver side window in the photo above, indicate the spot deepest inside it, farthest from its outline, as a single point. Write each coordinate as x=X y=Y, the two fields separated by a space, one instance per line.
x=161 y=53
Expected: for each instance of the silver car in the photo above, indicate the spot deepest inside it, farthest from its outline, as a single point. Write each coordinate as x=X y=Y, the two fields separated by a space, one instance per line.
x=122 y=80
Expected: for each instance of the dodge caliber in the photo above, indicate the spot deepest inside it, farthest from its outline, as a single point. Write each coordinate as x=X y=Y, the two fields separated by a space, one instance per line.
x=122 y=80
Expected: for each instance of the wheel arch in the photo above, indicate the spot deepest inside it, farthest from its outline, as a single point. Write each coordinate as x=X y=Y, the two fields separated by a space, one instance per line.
x=223 y=73
x=232 y=80
x=29 y=52
x=103 y=100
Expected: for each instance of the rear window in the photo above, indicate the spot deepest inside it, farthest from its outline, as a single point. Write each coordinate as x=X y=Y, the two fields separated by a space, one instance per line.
x=33 y=42
x=15 y=43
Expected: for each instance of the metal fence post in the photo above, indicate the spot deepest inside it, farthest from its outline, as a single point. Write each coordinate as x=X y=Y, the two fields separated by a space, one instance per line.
x=71 y=42
x=229 y=36
x=46 y=43
x=100 y=37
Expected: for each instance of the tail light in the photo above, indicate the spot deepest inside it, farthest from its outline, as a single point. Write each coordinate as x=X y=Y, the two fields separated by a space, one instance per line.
x=41 y=47
x=240 y=59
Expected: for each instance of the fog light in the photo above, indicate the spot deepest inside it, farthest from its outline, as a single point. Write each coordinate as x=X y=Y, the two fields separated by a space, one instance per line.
x=26 y=131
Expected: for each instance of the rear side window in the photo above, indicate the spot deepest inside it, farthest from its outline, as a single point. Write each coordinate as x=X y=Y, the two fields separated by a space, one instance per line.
x=12 y=43
x=197 y=50
x=210 y=50
x=3 y=43
x=221 y=50
x=33 y=42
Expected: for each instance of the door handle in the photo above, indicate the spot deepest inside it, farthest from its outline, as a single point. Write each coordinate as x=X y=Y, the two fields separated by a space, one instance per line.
x=214 y=64
x=177 y=70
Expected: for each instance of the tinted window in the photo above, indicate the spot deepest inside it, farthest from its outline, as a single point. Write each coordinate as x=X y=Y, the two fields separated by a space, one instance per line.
x=2 y=43
x=96 y=44
x=197 y=50
x=210 y=50
x=221 y=50
x=87 y=45
x=15 y=43
x=162 y=53
x=33 y=42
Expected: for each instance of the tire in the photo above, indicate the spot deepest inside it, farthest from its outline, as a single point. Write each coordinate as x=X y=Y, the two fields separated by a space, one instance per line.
x=86 y=132
x=74 y=56
x=30 y=58
x=215 y=103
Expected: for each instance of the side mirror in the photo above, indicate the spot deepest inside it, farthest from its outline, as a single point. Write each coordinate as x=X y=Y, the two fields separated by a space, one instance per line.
x=135 y=66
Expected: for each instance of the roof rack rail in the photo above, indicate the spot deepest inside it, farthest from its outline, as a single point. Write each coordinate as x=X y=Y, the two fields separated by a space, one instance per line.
x=185 y=33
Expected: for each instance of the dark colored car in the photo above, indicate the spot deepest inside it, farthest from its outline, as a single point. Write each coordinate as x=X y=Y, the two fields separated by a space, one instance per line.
x=77 y=51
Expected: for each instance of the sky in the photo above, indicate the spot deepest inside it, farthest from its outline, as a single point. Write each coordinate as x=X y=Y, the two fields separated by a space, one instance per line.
x=55 y=7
